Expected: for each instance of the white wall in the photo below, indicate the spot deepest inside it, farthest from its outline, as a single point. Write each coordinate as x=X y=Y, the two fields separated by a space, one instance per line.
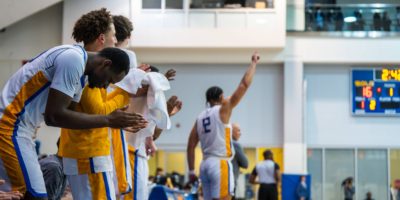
x=32 y=35
x=12 y=11
x=328 y=112
x=74 y=9
x=24 y=40
x=259 y=113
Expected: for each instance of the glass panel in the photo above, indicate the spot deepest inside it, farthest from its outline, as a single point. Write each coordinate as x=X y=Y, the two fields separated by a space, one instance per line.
x=372 y=174
x=352 y=17
x=232 y=4
x=174 y=4
x=151 y=4
x=394 y=167
x=314 y=166
x=339 y=165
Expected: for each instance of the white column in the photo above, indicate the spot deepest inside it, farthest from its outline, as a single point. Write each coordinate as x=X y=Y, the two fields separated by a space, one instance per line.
x=295 y=160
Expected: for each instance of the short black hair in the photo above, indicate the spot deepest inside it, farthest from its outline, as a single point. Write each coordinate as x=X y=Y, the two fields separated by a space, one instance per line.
x=118 y=57
x=213 y=93
x=88 y=28
x=123 y=27
x=267 y=154
x=154 y=69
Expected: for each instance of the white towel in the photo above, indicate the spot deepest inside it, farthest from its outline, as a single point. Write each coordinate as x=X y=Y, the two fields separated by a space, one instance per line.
x=132 y=81
x=156 y=102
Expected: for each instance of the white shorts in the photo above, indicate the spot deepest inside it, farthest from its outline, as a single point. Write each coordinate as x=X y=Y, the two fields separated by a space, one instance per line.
x=20 y=167
x=140 y=175
x=217 y=178
x=95 y=186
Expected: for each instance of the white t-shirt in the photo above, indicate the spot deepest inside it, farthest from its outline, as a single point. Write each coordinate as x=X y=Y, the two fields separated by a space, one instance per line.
x=266 y=171
x=24 y=96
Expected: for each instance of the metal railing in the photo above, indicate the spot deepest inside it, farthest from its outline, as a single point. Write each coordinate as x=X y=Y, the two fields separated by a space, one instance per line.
x=352 y=17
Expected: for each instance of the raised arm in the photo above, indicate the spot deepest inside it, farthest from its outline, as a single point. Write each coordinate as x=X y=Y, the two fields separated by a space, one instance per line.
x=229 y=103
x=94 y=102
x=192 y=143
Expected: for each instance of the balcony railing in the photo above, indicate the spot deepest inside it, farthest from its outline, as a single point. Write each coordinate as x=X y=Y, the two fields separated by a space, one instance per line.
x=365 y=20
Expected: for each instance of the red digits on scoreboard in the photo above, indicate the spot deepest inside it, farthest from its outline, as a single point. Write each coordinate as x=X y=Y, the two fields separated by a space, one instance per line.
x=367 y=92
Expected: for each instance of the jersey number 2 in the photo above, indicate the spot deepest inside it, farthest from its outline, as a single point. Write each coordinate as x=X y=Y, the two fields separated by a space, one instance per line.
x=206 y=125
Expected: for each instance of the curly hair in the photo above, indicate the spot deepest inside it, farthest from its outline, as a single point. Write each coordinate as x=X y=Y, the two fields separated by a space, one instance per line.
x=123 y=27
x=91 y=25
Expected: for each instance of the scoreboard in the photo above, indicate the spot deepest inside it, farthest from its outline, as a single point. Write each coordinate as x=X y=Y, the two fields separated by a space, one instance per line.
x=375 y=91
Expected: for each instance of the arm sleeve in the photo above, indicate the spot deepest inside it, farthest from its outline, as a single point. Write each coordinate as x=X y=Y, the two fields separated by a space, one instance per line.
x=95 y=101
x=68 y=75
x=254 y=172
x=277 y=167
x=241 y=156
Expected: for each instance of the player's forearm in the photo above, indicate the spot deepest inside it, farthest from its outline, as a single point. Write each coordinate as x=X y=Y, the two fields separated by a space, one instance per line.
x=248 y=76
x=190 y=158
x=75 y=120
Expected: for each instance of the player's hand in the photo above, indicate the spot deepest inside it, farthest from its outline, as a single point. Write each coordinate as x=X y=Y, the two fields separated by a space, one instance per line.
x=170 y=74
x=14 y=195
x=144 y=67
x=122 y=119
x=142 y=91
x=151 y=147
x=192 y=177
x=2 y=181
x=174 y=105
x=255 y=57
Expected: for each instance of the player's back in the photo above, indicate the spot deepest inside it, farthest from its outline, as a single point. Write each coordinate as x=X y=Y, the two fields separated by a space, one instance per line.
x=215 y=136
x=24 y=96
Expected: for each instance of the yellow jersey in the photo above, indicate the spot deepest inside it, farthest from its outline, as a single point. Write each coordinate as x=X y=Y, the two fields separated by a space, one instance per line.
x=87 y=143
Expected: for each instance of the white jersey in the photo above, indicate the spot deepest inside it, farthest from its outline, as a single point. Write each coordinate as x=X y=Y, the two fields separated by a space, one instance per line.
x=132 y=58
x=24 y=96
x=215 y=136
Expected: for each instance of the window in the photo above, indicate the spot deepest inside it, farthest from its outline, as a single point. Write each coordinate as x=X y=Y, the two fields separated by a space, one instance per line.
x=151 y=4
x=394 y=165
x=339 y=165
x=372 y=171
x=162 y=4
x=174 y=4
x=314 y=166
x=232 y=4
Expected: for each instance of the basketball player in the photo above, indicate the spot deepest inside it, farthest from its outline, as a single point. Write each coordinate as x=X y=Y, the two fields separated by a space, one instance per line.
x=214 y=131
x=86 y=153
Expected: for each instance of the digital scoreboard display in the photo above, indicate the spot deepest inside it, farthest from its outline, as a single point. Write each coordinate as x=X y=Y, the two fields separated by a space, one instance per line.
x=375 y=91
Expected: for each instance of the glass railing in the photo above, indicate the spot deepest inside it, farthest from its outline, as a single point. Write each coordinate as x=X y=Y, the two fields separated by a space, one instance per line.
x=364 y=18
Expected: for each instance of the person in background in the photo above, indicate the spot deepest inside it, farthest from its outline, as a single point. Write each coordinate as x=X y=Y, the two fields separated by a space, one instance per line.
x=14 y=195
x=239 y=160
x=377 y=22
x=339 y=20
x=302 y=189
x=394 y=190
x=369 y=196
x=268 y=177
x=348 y=188
x=53 y=175
x=386 y=22
x=398 y=18
x=159 y=177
